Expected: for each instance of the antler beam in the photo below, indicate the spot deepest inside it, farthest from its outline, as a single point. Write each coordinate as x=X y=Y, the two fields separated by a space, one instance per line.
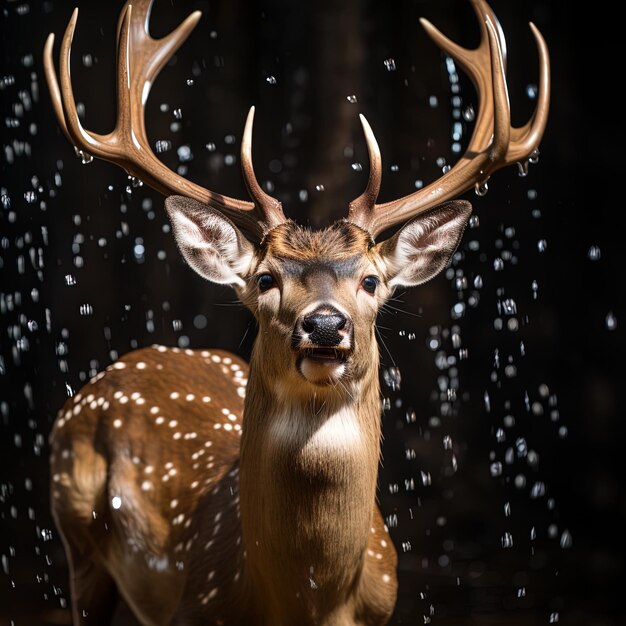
x=140 y=58
x=494 y=143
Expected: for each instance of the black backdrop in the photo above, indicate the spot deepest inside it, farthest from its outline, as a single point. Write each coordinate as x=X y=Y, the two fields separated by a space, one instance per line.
x=88 y=271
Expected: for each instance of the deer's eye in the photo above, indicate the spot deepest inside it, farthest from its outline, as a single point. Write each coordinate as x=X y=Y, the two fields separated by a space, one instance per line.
x=265 y=282
x=369 y=284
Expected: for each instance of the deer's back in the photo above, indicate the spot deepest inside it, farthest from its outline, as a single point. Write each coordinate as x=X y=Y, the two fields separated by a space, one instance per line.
x=146 y=456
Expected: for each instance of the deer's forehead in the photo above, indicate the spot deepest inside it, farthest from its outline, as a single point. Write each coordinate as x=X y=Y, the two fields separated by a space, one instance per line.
x=341 y=249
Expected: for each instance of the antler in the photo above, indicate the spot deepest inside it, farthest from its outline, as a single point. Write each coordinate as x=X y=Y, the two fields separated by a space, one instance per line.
x=494 y=143
x=140 y=58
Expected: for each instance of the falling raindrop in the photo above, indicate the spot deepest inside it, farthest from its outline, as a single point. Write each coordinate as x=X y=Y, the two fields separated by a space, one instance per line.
x=610 y=321
x=392 y=378
x=84 y=157
x=390 y=65
x=594 y=253
x=531 y=91
x=468 y=113
x=481 y=189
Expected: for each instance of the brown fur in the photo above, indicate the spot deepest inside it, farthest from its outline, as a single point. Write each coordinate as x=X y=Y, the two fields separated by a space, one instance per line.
x=317 y=550
x=147 y=458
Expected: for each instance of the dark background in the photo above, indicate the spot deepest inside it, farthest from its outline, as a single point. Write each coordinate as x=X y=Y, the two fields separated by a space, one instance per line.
x=88 y=272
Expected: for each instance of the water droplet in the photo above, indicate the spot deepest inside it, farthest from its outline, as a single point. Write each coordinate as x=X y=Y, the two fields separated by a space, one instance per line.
x=594 y=253
x=468 y=113
x=507 y=540
x=357 y=167
x=531 y=91
x=554 y=618
x=390 y=65
x=611 y=321
x=271 y=80
x=495 y=469
x=566 y=539
x=351 y=99
x=84 y=157
x=538 y=490
x=474 y=221
x=319 y=187
x=433 y=102
x=498 y=264
x=178 y=114
x=189 y=82
x=184 y=153
x=542 y=245
x=533 y=159
x=481 y=189
x=458 y=310
x=392 y=378
x=162 y=145
x=522 y=168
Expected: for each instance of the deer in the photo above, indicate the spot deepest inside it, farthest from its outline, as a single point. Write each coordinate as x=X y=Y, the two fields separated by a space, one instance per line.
x=200 y=490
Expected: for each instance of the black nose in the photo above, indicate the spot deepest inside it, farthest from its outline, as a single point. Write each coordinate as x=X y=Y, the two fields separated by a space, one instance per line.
x=323 y=328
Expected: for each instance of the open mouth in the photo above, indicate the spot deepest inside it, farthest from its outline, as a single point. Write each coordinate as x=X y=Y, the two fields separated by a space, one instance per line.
x=324 y=355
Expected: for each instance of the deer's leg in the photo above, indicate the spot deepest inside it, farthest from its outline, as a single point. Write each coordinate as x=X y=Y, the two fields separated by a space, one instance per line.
x=93 y=591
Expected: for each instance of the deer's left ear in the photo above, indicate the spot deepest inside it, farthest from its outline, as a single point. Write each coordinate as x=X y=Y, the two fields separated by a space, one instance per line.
x=423 y=247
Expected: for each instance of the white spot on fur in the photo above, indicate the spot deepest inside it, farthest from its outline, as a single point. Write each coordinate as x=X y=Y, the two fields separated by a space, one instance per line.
x=174 y=395
x=119 y=365
x=141 y=365
x=117 y=423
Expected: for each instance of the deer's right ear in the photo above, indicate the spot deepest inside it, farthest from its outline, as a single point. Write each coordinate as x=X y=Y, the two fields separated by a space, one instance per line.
x=211 y=244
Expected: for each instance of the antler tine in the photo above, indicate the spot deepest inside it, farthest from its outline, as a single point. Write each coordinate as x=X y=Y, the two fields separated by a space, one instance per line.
x=361 y=207
x=139 y=60
x=53 y=84
x=78 y=135
x=501 y=107
x=270 y=208
x=494 y=143
x=526 y=138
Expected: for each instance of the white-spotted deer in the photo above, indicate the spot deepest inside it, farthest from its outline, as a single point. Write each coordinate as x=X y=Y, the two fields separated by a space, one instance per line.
x=206 y=492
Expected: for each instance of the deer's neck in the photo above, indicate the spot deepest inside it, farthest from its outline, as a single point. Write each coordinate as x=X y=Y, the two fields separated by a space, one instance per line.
x=309 y=464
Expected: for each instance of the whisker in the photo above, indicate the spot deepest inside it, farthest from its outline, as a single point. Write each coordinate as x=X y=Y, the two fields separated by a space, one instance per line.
x=244 y=335
x=394 y=308
x=380 y=336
